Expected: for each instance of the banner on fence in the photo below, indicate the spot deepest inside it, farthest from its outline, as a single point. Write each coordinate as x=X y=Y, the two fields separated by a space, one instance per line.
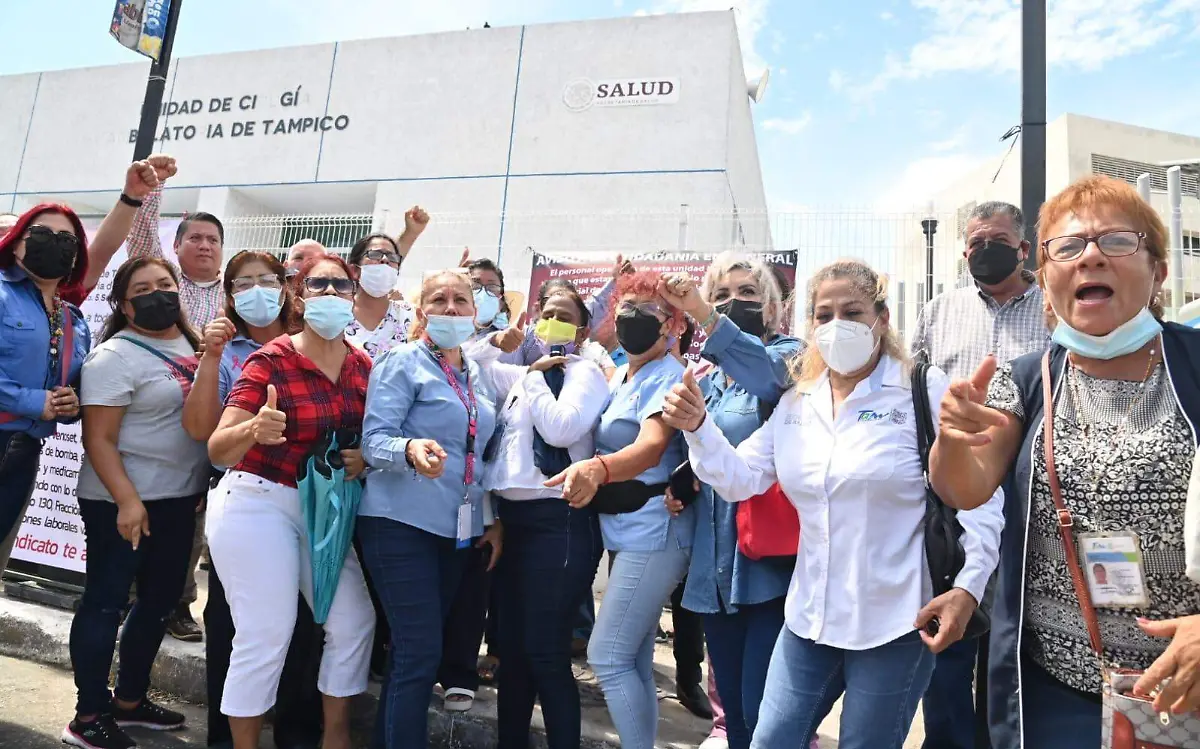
x=591 y=276
x=52 y=533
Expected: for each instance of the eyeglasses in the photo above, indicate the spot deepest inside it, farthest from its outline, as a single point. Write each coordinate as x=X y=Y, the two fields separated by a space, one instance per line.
x=1112 y=244
x=494 y=289
x=649 y=308
x=64 y=237
x=291 y=273
x=383 y=256
x=320 y=284
x=245 y=283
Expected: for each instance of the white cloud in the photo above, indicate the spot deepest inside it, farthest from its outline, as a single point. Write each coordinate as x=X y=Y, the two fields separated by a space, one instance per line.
x=923 y=178
x=837 y=80
x=985 y=36
x=751 y=16
x=887 y=15
x=788 y=126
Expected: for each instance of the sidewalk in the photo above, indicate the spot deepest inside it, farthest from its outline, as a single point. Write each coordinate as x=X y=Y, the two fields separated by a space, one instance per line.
x=40 y=634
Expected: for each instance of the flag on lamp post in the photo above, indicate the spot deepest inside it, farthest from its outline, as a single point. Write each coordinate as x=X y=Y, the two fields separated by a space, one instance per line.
x=140 y=25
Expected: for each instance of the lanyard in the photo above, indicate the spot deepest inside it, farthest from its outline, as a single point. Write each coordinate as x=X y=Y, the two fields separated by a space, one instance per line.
x=468 y=401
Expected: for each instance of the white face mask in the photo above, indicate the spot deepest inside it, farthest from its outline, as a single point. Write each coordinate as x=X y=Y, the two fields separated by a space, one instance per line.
x=845 y=345
x=378 y=280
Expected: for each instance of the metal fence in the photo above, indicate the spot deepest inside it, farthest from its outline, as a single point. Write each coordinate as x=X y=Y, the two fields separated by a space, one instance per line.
x=894 y=243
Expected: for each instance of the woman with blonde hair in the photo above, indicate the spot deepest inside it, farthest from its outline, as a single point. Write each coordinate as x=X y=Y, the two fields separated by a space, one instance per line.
x=842 y=444
x=1124 y=410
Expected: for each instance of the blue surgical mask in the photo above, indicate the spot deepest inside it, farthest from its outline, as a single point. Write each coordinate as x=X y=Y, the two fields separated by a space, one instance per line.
x=258 y=306
x=1127 y=338
x=449 y=331
x=500 y=321
x=328 y=316
x=486 y=308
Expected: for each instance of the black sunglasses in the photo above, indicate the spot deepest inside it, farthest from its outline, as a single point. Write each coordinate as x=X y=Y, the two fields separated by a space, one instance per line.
x=319 y=284
x=63 y=238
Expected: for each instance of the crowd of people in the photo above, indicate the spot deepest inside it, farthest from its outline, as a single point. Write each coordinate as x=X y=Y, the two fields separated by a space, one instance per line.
x=501 y=455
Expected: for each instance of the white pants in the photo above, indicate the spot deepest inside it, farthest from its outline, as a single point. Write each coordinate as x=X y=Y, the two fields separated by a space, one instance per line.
x=258 y=542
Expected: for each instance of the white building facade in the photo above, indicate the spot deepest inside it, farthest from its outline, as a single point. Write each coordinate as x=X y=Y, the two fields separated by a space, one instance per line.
x=557 y=127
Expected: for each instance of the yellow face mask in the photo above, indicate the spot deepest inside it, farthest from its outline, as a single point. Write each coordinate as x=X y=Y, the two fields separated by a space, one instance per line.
x=555 y=332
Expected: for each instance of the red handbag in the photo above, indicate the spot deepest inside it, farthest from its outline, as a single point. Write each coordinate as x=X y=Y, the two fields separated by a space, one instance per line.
x=768 y=525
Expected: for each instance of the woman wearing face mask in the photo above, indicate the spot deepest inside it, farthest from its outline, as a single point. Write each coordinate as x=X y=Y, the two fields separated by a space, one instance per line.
x=843 y=446
x=39 y=362
x=378 y=323
x=429 y=417
x=1124 y=412
x=651 y=547
x=291 y=393
x=142 y=480
x=740 y=307
x=551 y=547
x=258 y=309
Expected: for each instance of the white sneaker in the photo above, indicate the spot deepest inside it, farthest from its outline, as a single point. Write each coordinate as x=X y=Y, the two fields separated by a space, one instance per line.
x=715 y=742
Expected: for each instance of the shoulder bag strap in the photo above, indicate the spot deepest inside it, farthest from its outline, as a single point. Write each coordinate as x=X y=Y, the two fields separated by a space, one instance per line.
x=67 y=350
x=923 y=414
x=1065 y=522
x=166 y=359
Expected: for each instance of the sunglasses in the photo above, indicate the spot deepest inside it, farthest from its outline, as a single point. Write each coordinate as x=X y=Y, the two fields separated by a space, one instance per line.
x=383 y=256
x=64 y=238
x=320 y=284
x=648 y=308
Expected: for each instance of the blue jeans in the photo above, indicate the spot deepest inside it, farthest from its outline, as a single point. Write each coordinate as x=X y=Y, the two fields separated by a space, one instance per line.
x=882 y=687
x=949 y=704
x=739 y=647
x=548 y=563
x=1056 y=716
x=416 y=575
x=159 y=566
x=621 y=651
x=19 y=457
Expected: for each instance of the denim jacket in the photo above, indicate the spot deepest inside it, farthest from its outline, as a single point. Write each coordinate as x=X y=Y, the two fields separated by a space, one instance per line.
x=720 y=577
x=25 y=372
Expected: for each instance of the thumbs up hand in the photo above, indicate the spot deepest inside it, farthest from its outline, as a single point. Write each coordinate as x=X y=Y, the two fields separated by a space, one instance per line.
x=269 y=423
x=965 y=418
x=510 y=339
x=684 y=407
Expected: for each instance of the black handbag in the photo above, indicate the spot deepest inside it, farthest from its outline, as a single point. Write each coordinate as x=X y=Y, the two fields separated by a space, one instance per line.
x=943 y=533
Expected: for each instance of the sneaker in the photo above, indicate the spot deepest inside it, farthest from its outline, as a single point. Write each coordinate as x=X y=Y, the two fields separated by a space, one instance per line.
x=148 y=715
x=101 y=733
x=183 y=627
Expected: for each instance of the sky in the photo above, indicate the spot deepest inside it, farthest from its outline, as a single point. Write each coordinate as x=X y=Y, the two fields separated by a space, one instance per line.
x=871 y=102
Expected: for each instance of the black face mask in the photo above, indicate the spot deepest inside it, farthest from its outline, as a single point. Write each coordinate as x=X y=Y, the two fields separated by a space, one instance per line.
x=748 y=316
x=638 y=332
x=49 y=255
x=993 y=263
x=156 y=311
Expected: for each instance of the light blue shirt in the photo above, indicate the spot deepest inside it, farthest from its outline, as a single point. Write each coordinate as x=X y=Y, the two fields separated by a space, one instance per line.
x=720 y=578
x=651 y=528
x=25 y=373
x=409 y=398
x=233 y=359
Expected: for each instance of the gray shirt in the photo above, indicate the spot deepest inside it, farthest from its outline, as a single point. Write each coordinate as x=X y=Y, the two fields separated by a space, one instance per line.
x=160 y=458
x=958 y=329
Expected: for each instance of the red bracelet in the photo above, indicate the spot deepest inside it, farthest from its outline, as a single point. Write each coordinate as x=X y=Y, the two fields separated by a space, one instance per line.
x=607 y=475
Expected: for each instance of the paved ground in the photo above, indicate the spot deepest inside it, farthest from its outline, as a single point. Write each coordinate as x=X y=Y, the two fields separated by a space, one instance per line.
x=36 y=701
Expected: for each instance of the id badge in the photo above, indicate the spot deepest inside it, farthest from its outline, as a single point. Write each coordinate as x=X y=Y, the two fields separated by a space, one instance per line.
x=1112 y=566
x=464 y=525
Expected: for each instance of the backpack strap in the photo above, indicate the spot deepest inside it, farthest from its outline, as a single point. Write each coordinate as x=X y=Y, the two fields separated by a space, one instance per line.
x=191 y=376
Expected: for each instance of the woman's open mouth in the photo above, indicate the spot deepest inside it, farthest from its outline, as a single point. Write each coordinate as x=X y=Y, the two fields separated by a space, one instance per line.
x=1093 y=293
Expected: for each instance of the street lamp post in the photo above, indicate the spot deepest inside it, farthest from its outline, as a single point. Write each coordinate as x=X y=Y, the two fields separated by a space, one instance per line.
x=152 y=104
x=929 y=226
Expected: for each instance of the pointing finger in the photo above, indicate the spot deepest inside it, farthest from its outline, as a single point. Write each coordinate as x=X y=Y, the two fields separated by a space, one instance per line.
x=983 y=375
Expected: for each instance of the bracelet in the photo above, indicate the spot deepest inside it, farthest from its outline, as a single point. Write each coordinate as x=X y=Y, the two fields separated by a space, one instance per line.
x=408 y=458
x=132 y=202
x=712 y=317
x=607 y=475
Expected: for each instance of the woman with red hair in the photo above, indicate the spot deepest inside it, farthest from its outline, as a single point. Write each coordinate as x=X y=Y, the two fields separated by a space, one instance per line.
x=625 y=483
x=43 y=341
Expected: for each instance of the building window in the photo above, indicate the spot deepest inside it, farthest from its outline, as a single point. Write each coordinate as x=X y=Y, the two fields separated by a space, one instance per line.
x=1129 y=171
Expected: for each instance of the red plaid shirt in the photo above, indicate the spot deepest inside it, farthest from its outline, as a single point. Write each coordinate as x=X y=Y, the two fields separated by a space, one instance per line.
x=312 y=403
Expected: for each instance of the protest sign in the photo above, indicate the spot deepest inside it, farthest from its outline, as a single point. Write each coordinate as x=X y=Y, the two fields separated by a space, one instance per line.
x=52 y=533
x=590 y=276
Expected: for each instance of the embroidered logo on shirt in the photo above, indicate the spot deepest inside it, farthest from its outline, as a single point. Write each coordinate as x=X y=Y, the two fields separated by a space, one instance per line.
x=869 y=415
x=793 y=419
x=899 y=418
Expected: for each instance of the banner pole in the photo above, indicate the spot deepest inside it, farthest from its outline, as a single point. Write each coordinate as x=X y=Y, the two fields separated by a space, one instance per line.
x=155 y=86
